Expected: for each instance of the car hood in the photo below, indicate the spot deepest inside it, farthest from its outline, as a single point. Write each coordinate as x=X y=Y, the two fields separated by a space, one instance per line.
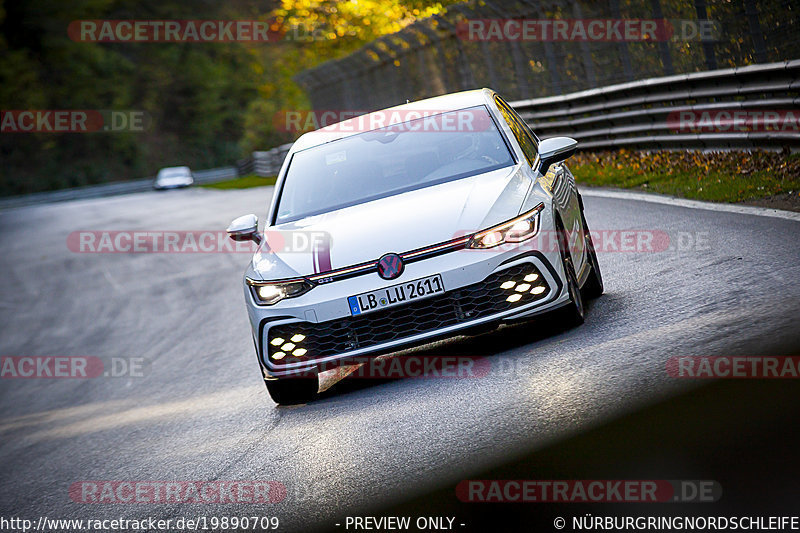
x=398 y=223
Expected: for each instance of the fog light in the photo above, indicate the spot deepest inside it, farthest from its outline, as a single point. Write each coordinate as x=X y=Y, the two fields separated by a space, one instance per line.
x=508 y=285
x=277 y=341
x=288 y=347
x=297 y=338
x=523 y=287
x=300 y=352
x=278 y=356
x=531 y=277
x=537 y=290
x=513 y=298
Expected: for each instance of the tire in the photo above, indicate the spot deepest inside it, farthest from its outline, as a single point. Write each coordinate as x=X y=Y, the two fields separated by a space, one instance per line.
x=574 y=311
x=593 y=287
x=293 y=391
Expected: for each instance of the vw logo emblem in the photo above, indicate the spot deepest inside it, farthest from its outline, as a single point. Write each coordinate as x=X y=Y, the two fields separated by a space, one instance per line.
x=390 y=266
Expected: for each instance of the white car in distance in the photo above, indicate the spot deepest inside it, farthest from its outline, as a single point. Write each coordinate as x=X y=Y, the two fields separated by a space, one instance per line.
x=173 y=178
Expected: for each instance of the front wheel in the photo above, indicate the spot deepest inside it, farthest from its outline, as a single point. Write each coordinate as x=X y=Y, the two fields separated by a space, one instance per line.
x=293 y=391
x=574 y=311
x=593 y=287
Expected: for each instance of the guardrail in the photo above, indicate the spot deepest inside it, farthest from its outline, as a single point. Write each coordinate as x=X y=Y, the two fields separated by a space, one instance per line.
x=264 y=164
x=646 y=114
x=634 y=115
x=214 y=174
x=109 y=189
x=442 y=54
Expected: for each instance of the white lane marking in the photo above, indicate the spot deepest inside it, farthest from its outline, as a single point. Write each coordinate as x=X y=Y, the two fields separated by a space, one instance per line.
x=692 y=204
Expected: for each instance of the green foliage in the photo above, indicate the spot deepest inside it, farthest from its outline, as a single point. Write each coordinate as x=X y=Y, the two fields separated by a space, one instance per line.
x=244 y=182
x=207 y=103
x=315 y=31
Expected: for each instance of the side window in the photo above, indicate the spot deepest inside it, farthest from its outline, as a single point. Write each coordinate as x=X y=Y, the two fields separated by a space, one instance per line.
x=521 y=131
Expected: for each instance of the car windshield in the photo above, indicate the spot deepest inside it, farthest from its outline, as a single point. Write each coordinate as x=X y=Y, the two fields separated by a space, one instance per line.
x=173 y=173
x=391 y=160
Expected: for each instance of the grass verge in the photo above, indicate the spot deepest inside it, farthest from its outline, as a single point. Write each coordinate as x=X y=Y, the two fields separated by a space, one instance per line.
x=244 y=182
x=716 y=177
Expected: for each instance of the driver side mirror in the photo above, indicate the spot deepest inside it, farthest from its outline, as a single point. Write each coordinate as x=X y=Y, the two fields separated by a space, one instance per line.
x=244 y=228
x=555 y=150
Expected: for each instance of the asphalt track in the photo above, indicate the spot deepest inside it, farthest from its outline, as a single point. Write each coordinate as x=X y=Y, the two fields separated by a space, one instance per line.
x=201 y=412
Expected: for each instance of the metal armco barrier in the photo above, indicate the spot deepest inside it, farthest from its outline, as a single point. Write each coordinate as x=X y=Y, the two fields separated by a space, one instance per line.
x=269 y=163
x=109 y=189
x=214 y=175
x=646 y=114
x=263 y=164
x=266 y=163
x=636 y=115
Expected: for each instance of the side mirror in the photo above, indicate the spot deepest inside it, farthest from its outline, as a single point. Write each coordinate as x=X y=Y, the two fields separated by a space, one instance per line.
x=245 y=228
x=555 y=150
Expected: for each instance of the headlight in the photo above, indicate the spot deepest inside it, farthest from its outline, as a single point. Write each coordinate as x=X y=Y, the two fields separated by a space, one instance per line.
x=270 y=293
x=517 y=229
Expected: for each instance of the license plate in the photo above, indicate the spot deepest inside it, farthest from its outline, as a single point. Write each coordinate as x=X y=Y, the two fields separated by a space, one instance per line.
x=395 y=295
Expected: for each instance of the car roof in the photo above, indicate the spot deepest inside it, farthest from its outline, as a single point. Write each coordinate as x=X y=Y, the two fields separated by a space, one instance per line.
x=439 y=104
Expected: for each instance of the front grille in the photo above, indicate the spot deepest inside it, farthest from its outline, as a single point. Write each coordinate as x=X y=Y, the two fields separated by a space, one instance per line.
x=499 y=292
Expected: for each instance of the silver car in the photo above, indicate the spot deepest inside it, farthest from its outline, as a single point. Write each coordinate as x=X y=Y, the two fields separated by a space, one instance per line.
x=415 y=232
x=173 y=178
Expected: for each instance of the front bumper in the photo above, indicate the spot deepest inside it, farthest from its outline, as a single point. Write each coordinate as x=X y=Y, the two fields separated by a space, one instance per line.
x=329 y=335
